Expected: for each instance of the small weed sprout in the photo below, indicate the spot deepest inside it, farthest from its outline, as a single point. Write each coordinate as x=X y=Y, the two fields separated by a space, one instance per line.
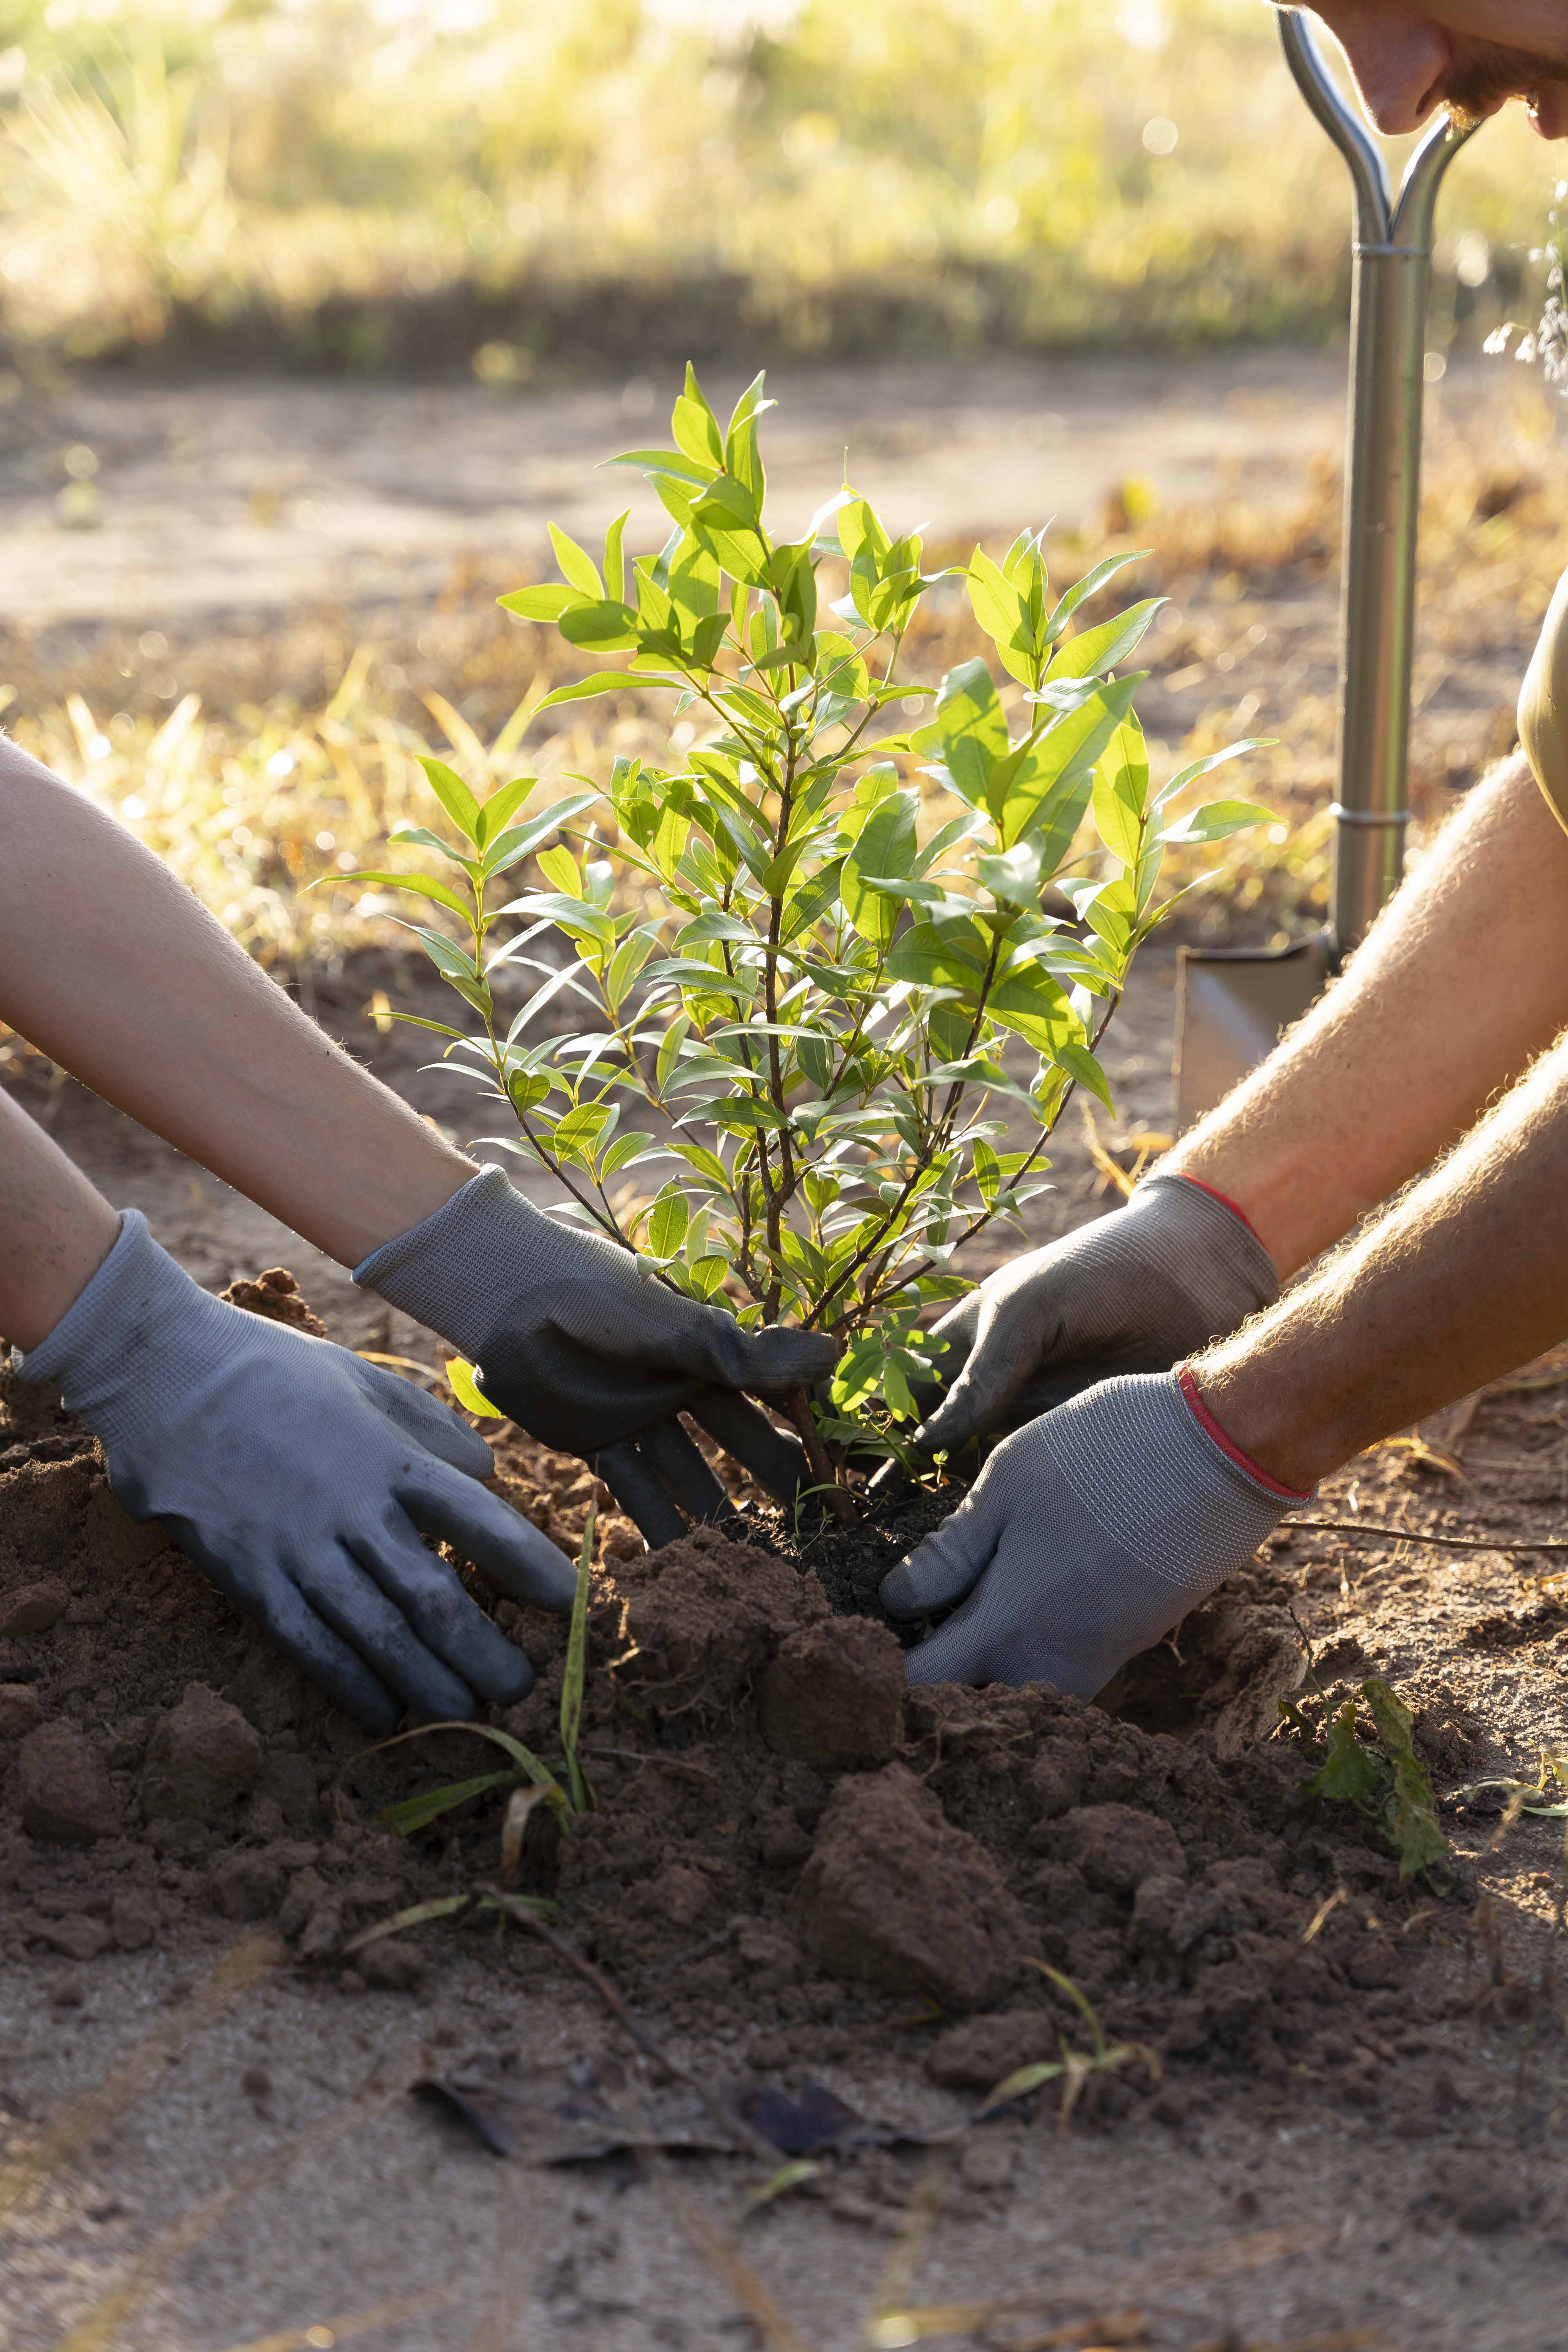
x=1384 y=1777
x=813 y=949
x=1074 y=2069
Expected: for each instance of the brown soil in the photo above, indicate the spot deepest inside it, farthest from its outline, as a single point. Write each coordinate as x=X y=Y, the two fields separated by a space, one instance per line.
x=782 y=1831
x=797 y=1873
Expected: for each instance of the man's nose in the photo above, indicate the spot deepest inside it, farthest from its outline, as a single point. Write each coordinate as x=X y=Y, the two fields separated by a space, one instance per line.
x=1399 y=56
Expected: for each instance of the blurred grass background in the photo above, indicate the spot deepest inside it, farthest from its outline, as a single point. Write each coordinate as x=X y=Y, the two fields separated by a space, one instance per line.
x=529 y=195
x=445 y=184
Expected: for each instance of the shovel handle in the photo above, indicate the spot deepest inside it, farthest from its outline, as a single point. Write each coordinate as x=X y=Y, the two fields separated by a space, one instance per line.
x=1392 y=286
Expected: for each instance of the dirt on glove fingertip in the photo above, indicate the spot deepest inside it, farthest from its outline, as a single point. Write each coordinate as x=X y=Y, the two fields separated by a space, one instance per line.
x=788 y=1844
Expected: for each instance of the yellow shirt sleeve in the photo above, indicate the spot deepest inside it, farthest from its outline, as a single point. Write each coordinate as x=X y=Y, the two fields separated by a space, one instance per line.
x=1544 y=706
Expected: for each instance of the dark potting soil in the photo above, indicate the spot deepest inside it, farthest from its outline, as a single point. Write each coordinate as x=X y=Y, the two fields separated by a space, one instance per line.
x=787 y=1840
x=852 y=1562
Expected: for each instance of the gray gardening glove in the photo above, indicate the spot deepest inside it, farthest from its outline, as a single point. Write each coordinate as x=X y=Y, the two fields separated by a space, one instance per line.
x=1134 y=1292
x=1088 y=1535
x=584 y=1347
x=301 y=1479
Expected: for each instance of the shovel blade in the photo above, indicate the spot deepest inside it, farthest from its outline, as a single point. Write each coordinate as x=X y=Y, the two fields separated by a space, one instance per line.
x=1232 y=1006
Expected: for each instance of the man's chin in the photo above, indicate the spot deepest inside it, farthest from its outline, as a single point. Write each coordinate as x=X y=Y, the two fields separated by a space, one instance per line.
x=1549 y=110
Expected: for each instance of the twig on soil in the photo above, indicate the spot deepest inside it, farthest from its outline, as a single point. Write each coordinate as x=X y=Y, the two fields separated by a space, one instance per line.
x=735 y=2126
x=1430 y=1535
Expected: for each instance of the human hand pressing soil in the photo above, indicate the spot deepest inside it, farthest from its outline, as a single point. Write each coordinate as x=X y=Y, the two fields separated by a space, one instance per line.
x=1134 y=1292
x=301 y=1479
x=1088 y=1535
x=583 y=1348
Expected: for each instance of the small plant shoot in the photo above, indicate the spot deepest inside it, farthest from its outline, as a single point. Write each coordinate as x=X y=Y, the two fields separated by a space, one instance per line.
x=827 y=1019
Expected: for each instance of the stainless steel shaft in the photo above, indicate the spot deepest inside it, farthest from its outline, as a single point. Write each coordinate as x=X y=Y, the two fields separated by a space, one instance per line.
x=1392 y=288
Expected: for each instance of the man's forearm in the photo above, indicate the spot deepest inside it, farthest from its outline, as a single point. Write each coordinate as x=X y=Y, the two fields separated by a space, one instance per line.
x=112 y=966
x=1460 y=1280
x=1460 y=985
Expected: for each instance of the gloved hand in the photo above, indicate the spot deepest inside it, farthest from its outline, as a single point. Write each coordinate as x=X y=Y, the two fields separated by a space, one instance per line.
x=1088 y=1535
x=573 y=1338
x=1134 y=1292
x=301 y=1478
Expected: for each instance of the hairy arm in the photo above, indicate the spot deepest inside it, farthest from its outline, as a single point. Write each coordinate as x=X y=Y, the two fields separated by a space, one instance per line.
x=1462 y=983
x=109 y=965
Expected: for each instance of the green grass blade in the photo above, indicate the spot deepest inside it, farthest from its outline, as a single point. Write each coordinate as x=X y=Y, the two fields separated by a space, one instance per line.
x=576 y=1666
x=411 y=1813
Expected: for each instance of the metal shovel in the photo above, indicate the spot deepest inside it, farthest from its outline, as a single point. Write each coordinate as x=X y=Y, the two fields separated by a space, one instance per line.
x=1233 y=1002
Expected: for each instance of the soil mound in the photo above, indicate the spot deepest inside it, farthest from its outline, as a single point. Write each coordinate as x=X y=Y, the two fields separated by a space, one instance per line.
x=786 y=1838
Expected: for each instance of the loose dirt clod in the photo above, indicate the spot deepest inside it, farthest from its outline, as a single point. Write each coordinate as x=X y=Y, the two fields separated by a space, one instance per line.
x=33 y=1608
x=202 y=1757
x=894 y=1895
x=835 y=1694
x=275 y=1294
x=63 y=1790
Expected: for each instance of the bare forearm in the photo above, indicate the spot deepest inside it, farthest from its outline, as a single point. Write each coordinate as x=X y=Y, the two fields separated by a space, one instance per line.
x=109 y=965
x=1461 y=1280
x=1460 y=985
x=55 y=1230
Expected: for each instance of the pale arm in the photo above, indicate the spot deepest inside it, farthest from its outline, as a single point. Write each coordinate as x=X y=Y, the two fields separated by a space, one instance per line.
x=109 y=965
x=55 y=1230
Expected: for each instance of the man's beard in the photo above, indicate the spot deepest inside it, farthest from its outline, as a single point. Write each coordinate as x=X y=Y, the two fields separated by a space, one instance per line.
x=1493 y=73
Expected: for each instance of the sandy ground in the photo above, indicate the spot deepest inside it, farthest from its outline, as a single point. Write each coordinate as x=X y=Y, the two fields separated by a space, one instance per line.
x=262 y=495
x=262 y=2171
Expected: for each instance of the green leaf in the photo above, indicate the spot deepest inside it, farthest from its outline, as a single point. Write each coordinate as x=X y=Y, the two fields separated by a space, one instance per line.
x=1090 y=585
x=603 y=627
x=507 y=847
x=1186 y=776
x=578 y=1134
x=972 y=730
x=1097 y=651
x=524 y=1758
x=604 y=681
x=628 y=1145
x=1122 y=792
x=988 y=1172
x=412 y=1813
x=1411 y=1813
x=546 y=604
x=666 y=1224
x=576 y=1667
x=1081 y=1064
x=707 y=1275
x=671 y=462
x=454 y=796
x=695 y=427
x=502 y=803
x=1014 y=876
x=577 y=563
x=465 y=1389
x=1029 y=1001
x=1047 y=786
x=1214 y=820
x=1348 y=1772
x=421 y=884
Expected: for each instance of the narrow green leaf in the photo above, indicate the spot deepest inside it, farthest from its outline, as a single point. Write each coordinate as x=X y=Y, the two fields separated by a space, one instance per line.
x=465 y=1389
x=454 y=796
x=577 y=563
x=412 y=1813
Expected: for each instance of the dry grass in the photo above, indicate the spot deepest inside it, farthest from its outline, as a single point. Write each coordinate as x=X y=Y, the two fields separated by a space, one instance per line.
x=941 y=173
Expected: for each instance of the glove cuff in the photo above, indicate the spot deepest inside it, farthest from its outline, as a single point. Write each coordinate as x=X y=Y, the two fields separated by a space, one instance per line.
x=1193 y=1398
x=1203 y=1223
x=140 y=1312
x=1160 y=1483
x=457 y=1270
